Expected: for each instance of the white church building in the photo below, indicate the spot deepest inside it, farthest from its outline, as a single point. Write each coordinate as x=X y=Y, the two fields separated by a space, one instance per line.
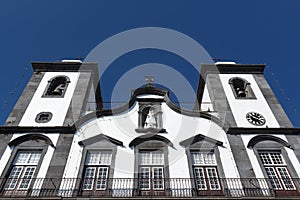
x=59 y=141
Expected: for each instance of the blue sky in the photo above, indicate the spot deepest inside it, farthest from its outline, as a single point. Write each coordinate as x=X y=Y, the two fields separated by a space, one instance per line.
x=254 y=32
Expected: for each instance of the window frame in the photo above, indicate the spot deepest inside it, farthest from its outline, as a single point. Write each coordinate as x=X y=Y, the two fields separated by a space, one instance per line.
x=278 y=177
x=151 y=145
x=10 y=164
x=97 y=168
x=67 y=82
x=248 y=89
x=151 y=166
x=204 y=167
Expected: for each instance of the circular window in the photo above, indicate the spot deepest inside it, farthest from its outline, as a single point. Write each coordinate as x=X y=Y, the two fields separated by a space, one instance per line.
x=43 y=117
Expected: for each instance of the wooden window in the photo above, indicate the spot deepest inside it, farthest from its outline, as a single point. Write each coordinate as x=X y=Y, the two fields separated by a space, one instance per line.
x=151 y=170
x=96 y=170
x=205 y=170
x=276 y=170
x=23 y=169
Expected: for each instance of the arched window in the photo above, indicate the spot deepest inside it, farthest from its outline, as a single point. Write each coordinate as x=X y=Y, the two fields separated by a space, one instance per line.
x=24 y=164
x=57 y=86
x=241 y=88
x=275 y=163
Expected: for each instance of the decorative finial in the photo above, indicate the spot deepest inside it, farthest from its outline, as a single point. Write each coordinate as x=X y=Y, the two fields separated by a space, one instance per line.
x=149 y=80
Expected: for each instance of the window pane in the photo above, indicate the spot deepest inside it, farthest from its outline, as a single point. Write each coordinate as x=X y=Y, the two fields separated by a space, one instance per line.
x=269 y=158
x=144 y=178
x=203 y=158
x=265 y=159
x=34 y=158
x=89 y=178
x=276 y=158
x=102 y=178
x=13 y=177
x=213 y=178
x=200 y=178
x=98 y=158
x=26 y=178
x=145 y=158
x=157 y=158
x=31 y=158
x=158 y=178
x=285 y=178
x=273 y=178
x=105 y=158
x=22 y=157
x=151 y=158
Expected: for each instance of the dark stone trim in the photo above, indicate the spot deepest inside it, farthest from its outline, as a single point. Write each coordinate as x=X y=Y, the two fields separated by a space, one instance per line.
x=58 y=160
x=294 y=140
x=272 y=101
x=27 y=137
x=269 y=131
x=42 y=129
x=150 y=130
x=4 y=140
x=24 y=100
x=154 y=91
x=260 y=138
x=64 y=67
x=198 y=138
x=219 y=100
x=199 y=94
x=148 y=137
x=232 y=69
x=149 y=100
x=100 y=137
x=240 y=156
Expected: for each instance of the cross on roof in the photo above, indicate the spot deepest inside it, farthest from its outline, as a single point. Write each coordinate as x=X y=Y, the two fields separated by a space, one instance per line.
x=149 y=80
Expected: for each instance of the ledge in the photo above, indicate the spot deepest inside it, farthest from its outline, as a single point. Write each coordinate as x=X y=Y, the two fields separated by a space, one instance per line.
x=150 y=130
x=37 y=129
x=286 y=131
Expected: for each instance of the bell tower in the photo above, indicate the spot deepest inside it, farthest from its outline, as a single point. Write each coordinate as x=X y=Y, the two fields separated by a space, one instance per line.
x=241 y=95
x=249 y=110
x=57 y=94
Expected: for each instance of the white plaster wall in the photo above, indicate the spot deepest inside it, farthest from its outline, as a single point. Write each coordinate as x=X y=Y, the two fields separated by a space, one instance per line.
x=253 y=159
x=240 y=107
x=122 y=127
x=57 y=106
x=206 y=101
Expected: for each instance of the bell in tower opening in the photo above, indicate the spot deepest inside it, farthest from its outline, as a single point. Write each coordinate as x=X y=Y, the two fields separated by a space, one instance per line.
x=57 y=86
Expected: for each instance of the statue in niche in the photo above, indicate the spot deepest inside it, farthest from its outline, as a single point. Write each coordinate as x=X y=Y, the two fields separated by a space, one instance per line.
x=151 y=121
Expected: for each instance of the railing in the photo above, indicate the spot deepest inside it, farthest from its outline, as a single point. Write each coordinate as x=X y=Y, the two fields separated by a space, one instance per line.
x=128 y=187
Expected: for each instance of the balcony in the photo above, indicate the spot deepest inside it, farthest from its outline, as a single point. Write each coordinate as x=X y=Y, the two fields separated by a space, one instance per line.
x=131 y=188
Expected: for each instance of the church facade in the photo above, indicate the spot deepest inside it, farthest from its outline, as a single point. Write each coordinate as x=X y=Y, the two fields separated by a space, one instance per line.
x=60 y=142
